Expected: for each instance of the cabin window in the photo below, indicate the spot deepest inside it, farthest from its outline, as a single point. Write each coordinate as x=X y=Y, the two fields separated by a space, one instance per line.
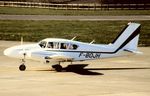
x=50 y=45
x=68 y=46
x=53 y=45
x=56 y=45
x=64 y=45
x=42 y=44
x=74 y=46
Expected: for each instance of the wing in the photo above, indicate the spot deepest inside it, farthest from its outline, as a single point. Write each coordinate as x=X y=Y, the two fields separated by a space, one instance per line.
x=61 y=58
x=40 y=55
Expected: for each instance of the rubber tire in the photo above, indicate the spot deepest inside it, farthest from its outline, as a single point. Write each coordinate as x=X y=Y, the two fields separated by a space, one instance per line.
x=58 y=68
x=22 y=67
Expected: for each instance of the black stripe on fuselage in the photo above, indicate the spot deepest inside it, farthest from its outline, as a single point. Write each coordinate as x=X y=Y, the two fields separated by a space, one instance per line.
x=120 y=34
x=133 y=35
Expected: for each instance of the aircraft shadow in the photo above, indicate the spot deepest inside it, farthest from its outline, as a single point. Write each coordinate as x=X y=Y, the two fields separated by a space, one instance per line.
x=76 y=68
x=80 y=69
x=117 y=68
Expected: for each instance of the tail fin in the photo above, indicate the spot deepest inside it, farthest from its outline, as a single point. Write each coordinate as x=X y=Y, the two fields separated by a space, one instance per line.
x=128 y=38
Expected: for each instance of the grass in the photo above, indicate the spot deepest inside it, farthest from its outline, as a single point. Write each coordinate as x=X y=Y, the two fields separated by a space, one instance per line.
x=40 y=11
x=101 y=31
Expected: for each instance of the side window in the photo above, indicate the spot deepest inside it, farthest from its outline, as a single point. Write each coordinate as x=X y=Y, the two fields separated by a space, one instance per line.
x=50 y=45
x=64 y=46
x=53 y=45
x=42 y=44
x=56 y=45
x=73 y=46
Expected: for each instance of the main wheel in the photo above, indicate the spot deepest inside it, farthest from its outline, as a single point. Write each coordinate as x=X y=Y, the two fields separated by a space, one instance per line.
x=58 y=68
x=22 y=67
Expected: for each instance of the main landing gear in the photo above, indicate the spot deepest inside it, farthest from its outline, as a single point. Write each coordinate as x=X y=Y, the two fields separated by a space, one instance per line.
x=57 y=67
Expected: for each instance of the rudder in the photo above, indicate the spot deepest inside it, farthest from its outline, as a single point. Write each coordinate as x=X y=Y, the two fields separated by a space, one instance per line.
x=128 y=38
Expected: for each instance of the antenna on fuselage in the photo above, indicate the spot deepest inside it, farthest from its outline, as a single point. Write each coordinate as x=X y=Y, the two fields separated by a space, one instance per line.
x=73 y=38
x=92 y=42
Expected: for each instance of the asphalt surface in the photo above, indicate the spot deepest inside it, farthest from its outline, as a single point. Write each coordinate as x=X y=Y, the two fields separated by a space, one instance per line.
x=123 y=76
x=57 y=17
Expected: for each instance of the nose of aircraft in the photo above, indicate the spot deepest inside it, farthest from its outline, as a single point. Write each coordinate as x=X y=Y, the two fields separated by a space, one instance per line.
x=8 y=52
x=12 y=52
x=16 y=52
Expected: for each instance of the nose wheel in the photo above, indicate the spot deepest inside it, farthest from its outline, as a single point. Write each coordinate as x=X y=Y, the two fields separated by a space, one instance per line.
x=22 y=67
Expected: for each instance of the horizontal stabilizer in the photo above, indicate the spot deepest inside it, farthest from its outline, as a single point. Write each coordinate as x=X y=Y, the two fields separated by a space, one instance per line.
x=133 y=51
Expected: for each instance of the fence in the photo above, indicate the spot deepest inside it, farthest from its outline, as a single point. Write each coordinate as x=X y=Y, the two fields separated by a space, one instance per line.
x=77 y=6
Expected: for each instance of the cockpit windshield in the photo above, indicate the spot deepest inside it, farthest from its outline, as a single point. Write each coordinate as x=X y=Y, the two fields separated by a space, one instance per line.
x=42 y=44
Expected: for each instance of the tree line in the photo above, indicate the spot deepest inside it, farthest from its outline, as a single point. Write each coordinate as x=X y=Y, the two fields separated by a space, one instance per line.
x=82 y=1
x=125 y=1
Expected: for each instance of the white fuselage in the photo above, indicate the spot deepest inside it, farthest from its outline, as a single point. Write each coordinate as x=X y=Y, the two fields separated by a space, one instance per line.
x=85 y=51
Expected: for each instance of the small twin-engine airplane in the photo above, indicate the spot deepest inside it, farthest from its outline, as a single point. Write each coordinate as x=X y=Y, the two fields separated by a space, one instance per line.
x=63 y=50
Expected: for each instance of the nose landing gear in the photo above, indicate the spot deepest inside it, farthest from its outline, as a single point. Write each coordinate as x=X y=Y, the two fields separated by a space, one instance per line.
x=22 y=67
